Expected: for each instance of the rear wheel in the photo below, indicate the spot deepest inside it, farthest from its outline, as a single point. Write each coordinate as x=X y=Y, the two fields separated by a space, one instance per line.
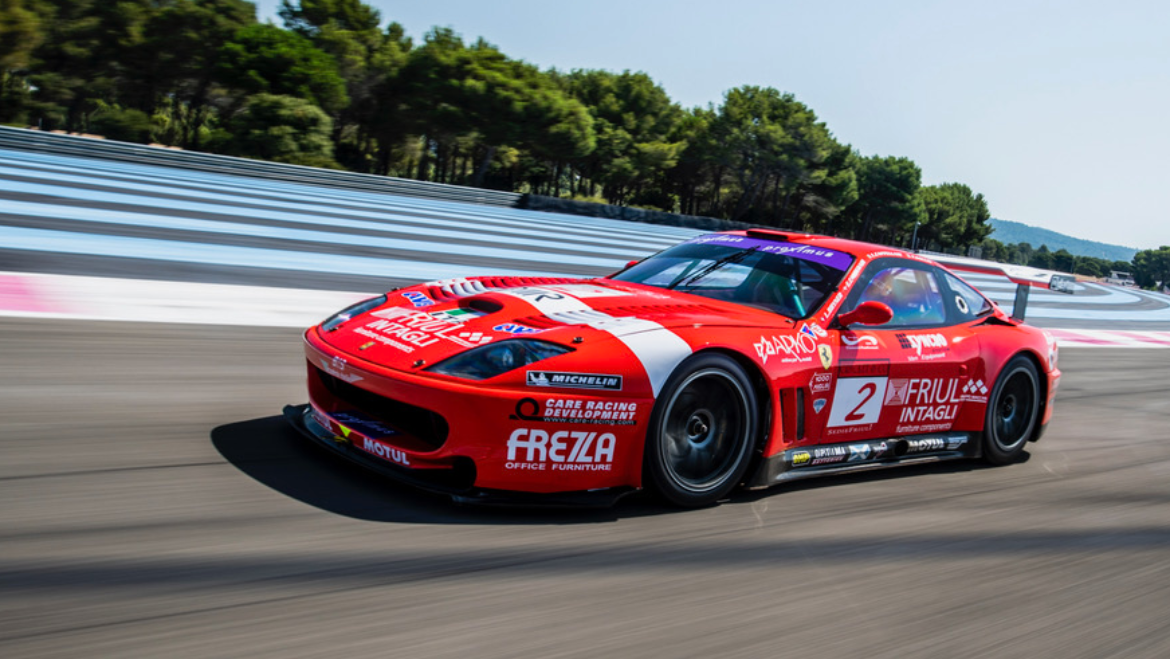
x=1012 y=412
x=702 y=431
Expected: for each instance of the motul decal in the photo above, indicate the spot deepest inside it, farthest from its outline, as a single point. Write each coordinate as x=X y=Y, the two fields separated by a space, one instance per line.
x=383 y=450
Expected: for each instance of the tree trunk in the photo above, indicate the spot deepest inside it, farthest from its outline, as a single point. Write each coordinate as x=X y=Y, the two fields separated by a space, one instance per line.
x=867 y=224
x=484 y=164
x=424 y=159
x=784 y=207
x=748 y=198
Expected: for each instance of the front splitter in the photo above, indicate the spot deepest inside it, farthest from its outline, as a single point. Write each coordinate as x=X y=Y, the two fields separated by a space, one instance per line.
x=456 y=482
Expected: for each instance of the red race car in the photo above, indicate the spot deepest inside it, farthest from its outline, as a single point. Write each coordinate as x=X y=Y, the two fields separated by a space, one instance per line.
x=743 y=358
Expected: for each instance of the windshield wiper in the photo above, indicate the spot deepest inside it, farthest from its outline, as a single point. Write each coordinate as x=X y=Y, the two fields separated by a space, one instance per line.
x=713 y=266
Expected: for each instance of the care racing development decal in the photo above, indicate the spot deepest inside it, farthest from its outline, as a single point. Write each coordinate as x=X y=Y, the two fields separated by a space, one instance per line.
x=577 y=410
x=530 y=449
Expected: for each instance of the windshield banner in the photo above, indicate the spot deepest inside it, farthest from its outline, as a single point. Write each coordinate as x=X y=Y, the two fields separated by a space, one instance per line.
x=831 y=258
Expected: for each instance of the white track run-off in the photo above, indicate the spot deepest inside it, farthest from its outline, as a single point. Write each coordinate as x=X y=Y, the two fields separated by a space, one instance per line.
x=77 y=216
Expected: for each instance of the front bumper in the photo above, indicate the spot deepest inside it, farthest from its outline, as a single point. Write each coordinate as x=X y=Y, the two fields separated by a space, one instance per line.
x=455 y=481
x=515 y=438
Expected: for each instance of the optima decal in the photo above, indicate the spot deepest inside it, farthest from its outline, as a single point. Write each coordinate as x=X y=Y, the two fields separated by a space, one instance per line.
x=576 y=410
x=537 y=450
x=829 y=455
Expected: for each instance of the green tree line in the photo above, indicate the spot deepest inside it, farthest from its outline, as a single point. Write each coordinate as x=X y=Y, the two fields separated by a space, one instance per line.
x=335 y=87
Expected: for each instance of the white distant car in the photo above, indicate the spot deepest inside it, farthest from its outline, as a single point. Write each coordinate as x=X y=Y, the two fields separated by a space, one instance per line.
x=1119 y=278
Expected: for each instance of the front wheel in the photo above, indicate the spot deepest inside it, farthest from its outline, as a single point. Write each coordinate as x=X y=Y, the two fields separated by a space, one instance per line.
x=702 y=431
x=1012 y=412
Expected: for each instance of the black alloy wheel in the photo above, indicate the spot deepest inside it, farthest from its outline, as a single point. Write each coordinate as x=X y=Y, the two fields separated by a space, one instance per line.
x=1012 y=412
x=702 y=432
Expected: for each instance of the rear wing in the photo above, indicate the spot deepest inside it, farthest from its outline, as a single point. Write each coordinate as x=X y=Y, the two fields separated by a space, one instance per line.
x=1024 y=277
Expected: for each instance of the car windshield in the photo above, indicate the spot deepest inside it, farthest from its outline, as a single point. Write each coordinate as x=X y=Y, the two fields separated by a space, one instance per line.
x=787 y=278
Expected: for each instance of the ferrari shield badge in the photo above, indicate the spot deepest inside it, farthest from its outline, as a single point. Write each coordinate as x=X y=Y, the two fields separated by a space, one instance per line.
x=826 y=353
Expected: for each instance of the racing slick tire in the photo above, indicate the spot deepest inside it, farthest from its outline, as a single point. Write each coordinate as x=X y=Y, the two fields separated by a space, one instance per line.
x=702 y=431
x=1012 y=411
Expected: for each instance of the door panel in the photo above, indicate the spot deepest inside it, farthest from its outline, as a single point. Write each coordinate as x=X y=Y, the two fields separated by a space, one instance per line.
x=911 y=376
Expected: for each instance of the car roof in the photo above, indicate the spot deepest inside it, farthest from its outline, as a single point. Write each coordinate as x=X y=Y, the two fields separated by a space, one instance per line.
x=856 y=248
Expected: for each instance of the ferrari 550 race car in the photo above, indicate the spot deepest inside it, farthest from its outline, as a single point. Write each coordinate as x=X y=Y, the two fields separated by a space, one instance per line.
x=742 y=358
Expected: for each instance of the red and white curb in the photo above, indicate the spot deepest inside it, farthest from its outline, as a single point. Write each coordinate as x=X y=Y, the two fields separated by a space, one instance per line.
x=1110 y=338
x=140 y=300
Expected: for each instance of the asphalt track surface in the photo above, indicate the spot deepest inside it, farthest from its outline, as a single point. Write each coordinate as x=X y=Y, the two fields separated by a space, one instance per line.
x=154 y=506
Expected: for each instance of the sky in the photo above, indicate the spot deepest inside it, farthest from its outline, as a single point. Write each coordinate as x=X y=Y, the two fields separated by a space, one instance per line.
x=1057 y=112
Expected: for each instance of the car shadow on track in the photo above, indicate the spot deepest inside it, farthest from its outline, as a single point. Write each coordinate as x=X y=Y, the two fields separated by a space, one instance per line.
x=274 y=454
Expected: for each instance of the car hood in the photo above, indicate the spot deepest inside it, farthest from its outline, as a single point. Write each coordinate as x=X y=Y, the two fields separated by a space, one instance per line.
x=431 y=322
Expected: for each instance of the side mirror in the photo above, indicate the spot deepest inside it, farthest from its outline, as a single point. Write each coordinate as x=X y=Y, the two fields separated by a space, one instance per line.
x=867 y=313
x=633 y=263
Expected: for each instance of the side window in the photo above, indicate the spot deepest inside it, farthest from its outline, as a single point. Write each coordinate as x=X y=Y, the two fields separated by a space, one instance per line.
x=913 y=295
x=969 y=303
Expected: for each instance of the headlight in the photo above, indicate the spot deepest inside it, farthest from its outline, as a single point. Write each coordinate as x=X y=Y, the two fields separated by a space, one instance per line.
x=497 y=358
x=336 y=320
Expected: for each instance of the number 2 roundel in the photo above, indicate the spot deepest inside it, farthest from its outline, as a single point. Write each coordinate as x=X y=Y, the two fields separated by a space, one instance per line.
x=857 y=401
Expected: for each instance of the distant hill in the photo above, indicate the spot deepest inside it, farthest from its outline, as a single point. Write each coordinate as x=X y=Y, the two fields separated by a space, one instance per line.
x=1014 y=232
